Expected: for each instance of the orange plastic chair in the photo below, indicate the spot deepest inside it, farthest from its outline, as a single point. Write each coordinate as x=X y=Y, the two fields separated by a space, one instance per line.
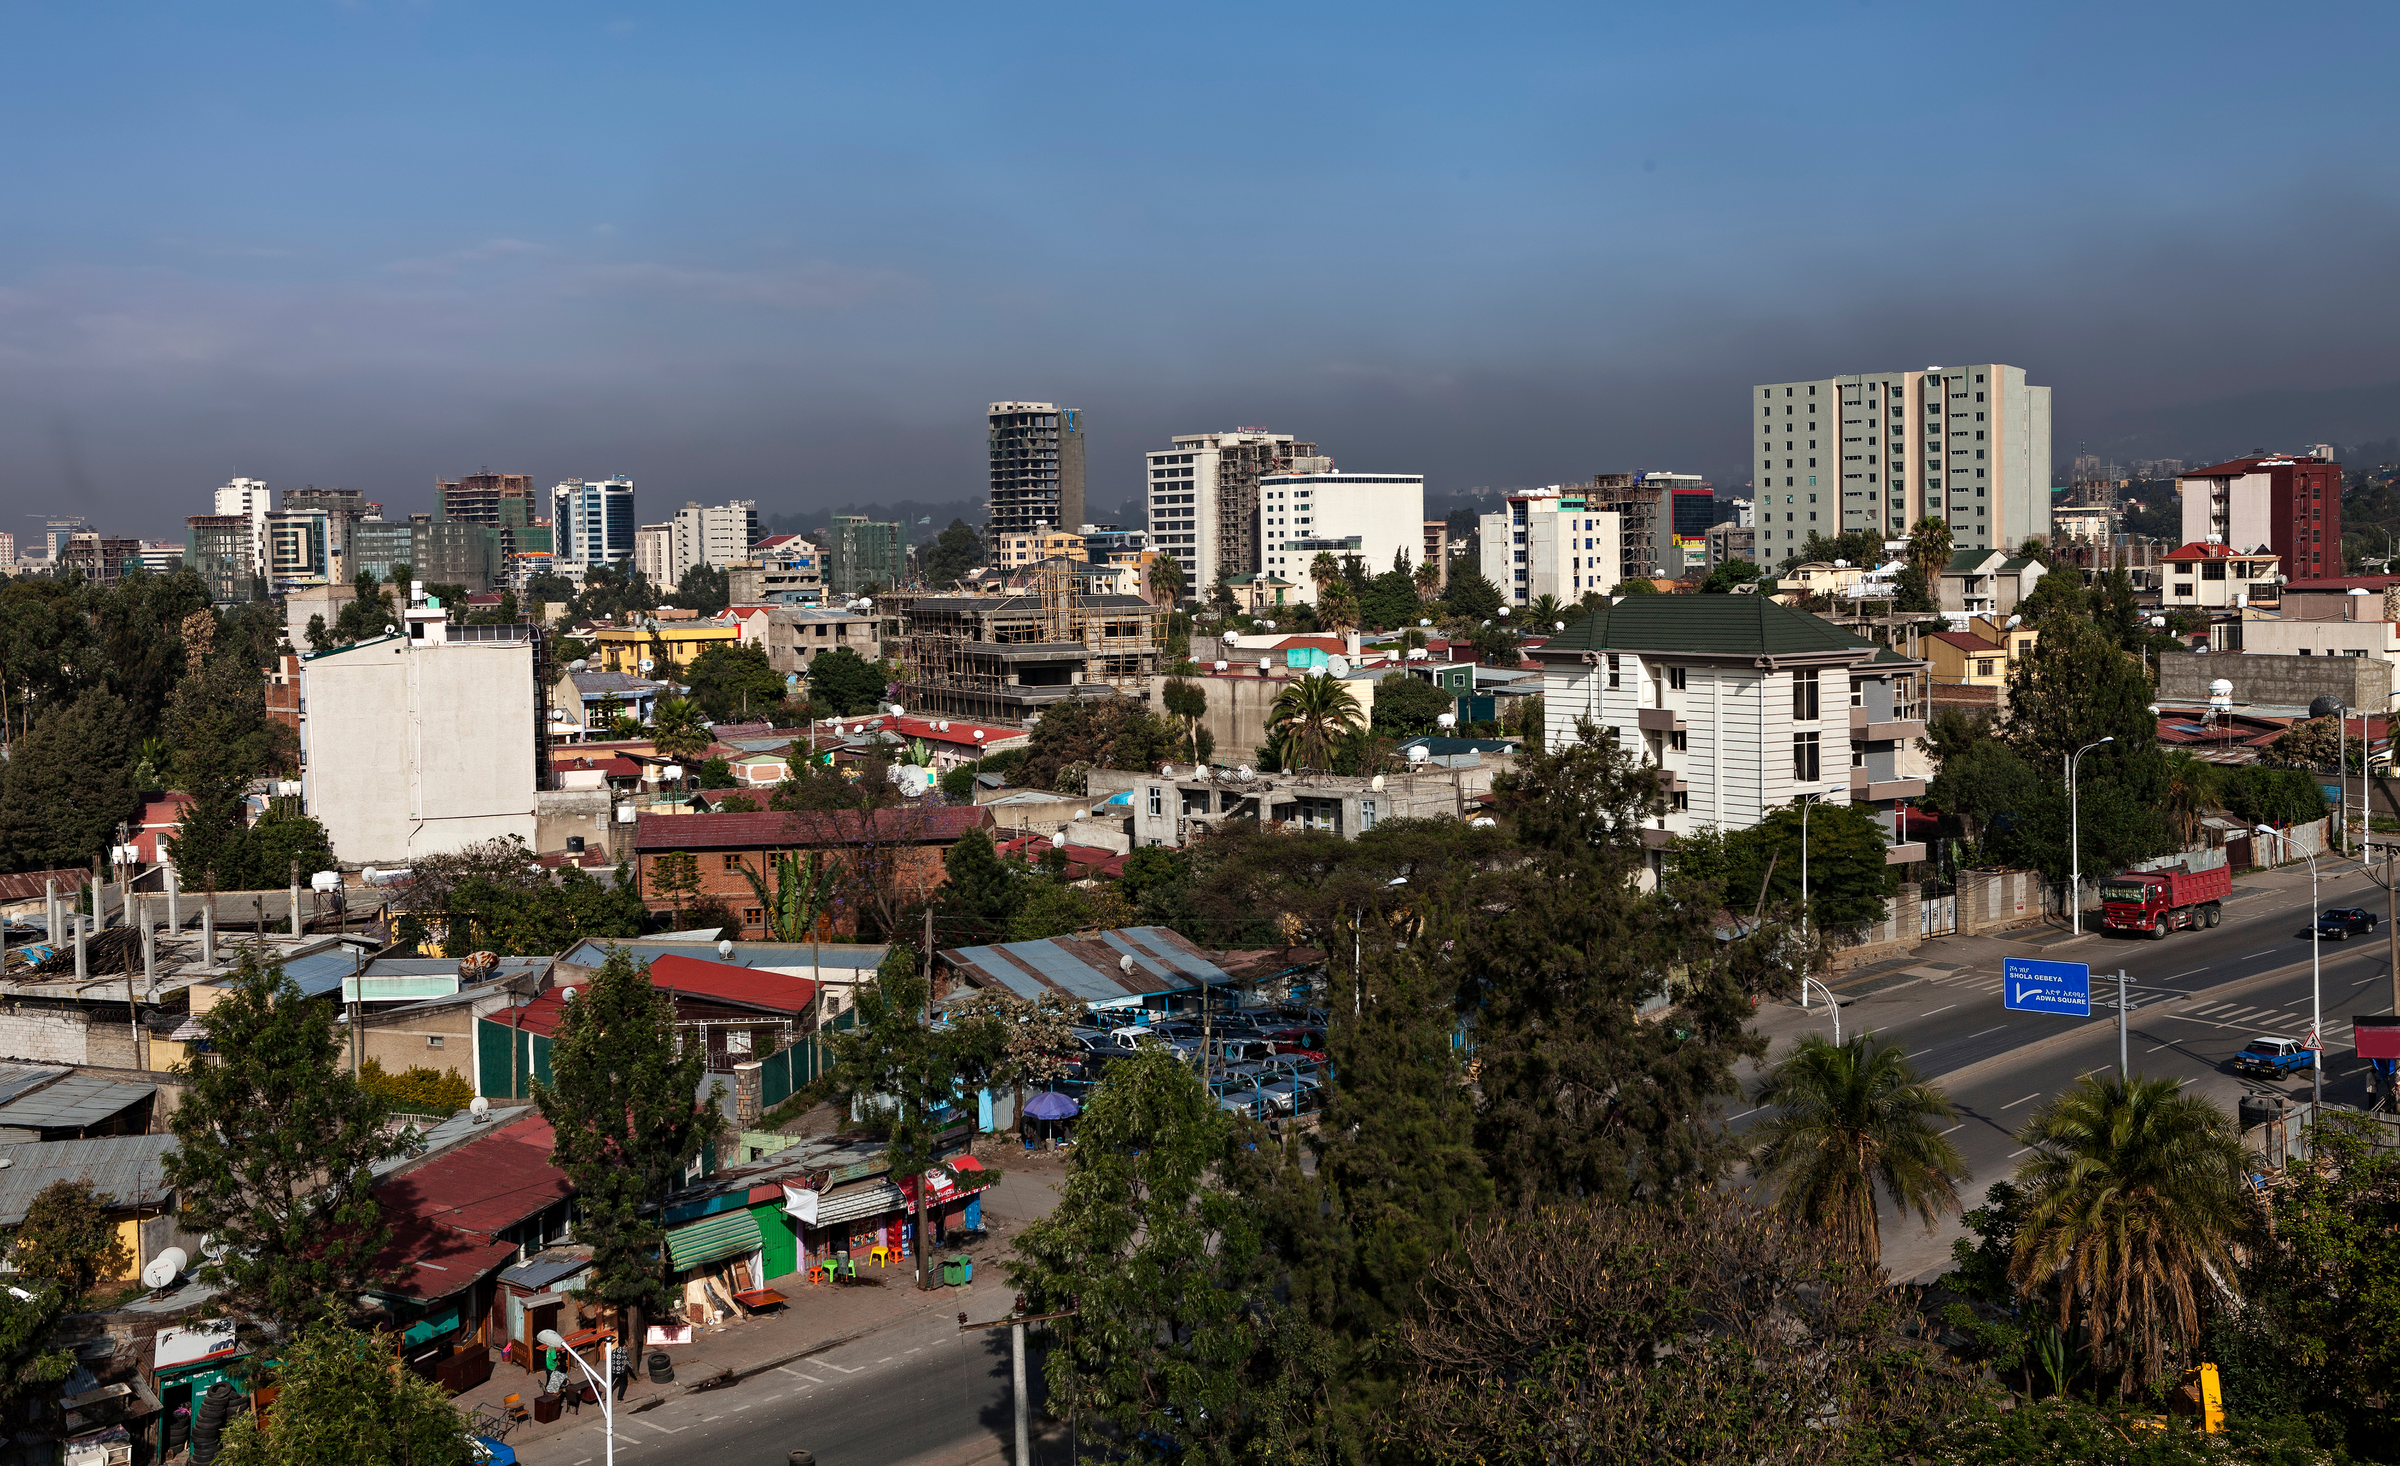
x=515 y=1406
x=816 y=1275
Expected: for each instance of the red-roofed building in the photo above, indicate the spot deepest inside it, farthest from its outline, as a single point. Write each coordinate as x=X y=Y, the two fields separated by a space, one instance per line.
x=160 y=816
x=737 y=1013
x=899 y=850
x=1083 y=862
x=2289 y=504
x=2213 y=577
x=461 y=1216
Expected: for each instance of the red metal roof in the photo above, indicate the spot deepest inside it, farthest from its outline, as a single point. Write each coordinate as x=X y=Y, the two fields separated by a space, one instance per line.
x=1968 y=641
x=775 y=990
x=485 y=1186
x=429 y=1260
x=770 y=830
x=27 y=885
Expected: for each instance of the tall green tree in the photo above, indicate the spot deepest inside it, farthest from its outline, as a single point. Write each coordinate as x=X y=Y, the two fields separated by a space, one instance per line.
x=620 y=1103
x=1929 y=546
x=2134 y=1196
x=911 y=1075
x=735 y=682
x=68 y=783
x=953 y=553
x=1727 y=574
x=273 y=1147
x=1188 y=702
x=1849 y=880
x=47 y=651
x=1846 y=1120
x=1314 y=713
x=2074 y=687
x=68 y=1241
x=1470 y=596
x=1160 y=1265
x=704 y=588
x=1167 y=579
x=341 y=1403
x=1578 y=1096
x=1406 y=706
x=979 y=892
x=846 y=683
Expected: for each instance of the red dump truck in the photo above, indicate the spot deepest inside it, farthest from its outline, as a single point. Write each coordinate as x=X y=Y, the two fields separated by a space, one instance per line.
x=2155 y=902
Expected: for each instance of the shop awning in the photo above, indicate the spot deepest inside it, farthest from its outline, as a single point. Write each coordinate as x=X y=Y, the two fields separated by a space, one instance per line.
x=726 y=1234
x=870 y=1199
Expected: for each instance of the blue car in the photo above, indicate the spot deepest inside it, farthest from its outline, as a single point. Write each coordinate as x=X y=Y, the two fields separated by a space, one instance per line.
x=2272 y=1058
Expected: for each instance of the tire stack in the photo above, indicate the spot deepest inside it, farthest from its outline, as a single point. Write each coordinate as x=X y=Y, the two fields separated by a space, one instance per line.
x=208 y=1422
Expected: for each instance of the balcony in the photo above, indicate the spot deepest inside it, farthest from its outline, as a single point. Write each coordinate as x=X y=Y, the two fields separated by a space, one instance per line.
x=1659 y=720
x=1903 y=854
x=1879 y=791
x=1866 y=728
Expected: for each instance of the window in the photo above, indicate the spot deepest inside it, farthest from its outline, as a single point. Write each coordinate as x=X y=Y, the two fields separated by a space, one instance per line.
x=433 y=1041
x=1158 y=800
x=733 y=862
x=1195 y=801
x=1804 y=696
x=1983 y=666
x=1612 y=671
x=1804 y=757
x=1675 y=678
x=753 y=916
x=1366 y=815
x=737 y=1041
x=1858 y=692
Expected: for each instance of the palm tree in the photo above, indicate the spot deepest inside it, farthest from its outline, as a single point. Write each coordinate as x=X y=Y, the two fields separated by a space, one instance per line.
x=2191 y=788
x=1428 y=580
x=1847 y=1118
x=676 y=729
x=2132 y=1196
x=1166 y=579
x=1544 y=613
x=1325 y=571
x=1313 y=714
x=1929 y=546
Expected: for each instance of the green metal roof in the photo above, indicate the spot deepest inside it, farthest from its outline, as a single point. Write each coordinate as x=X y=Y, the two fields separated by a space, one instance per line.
x=723 y=1235
x=1704 y=625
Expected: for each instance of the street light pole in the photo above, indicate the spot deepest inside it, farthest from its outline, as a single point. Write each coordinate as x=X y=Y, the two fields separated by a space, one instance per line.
x=608 y=1402
x=2075 y=824
x=1807 y=802
x=2316 y=1014
x=1831 y=1004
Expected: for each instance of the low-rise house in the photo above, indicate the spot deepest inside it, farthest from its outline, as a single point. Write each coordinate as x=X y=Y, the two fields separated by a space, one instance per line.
x=583 y=703
x=902 y=847
x=1744 y=705
x=1987 y=582
x=2215 y=577
x=793 y=636
x=663 y=648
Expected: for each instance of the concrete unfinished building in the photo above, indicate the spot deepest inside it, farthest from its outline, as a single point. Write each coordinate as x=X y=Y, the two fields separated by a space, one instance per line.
x=1006 y=658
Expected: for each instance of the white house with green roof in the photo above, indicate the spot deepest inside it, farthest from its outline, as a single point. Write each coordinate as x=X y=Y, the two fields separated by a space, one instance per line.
x=1746 y=704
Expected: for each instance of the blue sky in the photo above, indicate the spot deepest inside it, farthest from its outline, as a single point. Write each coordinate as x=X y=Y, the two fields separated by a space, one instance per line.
x=790 y=252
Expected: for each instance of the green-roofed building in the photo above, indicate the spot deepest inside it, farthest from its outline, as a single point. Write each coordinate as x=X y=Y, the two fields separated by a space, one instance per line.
x=1746 y=703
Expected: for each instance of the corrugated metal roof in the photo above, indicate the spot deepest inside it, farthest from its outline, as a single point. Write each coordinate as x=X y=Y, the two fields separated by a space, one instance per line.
x=542 y=1269
x=78 y=1100
x=727 y=1234
x=737 y=984
x=17 y=1079
x=485 y=1187
x=769 y=956
x=1703 y=625
x=1088 y=966
x=129 y=1170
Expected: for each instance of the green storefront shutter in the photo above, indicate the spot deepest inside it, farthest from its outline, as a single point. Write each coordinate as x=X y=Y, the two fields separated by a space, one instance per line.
x=710 y=1239
x=776 y=1240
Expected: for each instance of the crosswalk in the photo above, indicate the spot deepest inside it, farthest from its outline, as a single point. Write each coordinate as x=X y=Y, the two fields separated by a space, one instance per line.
x=1946 y=988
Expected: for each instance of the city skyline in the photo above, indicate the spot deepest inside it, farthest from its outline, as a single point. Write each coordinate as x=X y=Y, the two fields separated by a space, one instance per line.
x=779 y=278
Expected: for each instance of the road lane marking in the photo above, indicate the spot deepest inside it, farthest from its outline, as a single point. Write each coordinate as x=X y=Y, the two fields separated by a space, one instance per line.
x=661 y=1429
x=829 y=1364
x=1946 y=1007
x=796 y=1374
x=1746 y=1114
x=2271 y=951
x=2195 y=972
x=2012 y=1155
x=1961 y=1125
x=1994 y=1029
x=2012 y=1104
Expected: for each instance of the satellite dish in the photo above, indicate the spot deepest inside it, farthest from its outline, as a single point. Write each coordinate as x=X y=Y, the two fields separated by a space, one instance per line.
x=1337 y=666
x=578 y=665
x=390 y=630
x=1559 y=625
x=567 y=993
x=1166 y=771
x=725 y=947
x=1245 y=773
x=1424 y=621
x=1268 y=624
x=480 y=1108
x=1220 y=666
x=1125 y=964
x=165 y=1268
x=979 y=735
x=2013 y=623
x=1376 y=783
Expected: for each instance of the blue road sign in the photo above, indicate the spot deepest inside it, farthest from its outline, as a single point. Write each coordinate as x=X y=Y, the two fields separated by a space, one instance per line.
x=2031 y=985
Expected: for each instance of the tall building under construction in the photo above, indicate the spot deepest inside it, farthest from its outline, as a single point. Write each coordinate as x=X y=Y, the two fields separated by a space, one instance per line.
x=1006 y=658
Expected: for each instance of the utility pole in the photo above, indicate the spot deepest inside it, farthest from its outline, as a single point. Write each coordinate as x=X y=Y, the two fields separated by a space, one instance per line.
x=2124 y=1051
x=1015 y=1324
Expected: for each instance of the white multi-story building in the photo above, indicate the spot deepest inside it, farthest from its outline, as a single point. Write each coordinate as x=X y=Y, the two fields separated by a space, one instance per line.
x=422 y=743
x=1746 y=705
x=591 y=521
x=250 y=498
x=1379 y=517
x=1204 y=498
x=718 y=534
x=1882 y=450
x=1548 y=543
x=653 y=548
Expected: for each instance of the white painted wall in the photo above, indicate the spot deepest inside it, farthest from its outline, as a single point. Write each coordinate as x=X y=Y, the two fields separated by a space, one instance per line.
x=416 y=749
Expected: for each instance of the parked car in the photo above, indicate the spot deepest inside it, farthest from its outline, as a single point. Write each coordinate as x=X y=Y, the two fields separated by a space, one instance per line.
x=2273 y=1058
x=2341 y=922
x=1299 y=1040
x=1251 y=1102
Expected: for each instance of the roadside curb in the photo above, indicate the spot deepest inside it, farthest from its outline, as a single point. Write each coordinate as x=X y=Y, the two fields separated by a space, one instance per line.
x=729 y=1375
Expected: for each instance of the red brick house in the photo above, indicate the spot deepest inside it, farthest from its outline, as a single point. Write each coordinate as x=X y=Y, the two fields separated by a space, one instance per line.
x=894 y=853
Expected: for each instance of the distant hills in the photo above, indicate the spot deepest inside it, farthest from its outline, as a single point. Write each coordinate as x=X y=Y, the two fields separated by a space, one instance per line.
x=2284 y=421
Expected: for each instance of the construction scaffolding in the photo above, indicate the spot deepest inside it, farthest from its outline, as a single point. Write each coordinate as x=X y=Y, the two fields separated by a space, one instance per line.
x=1240 y=465
x=1005 y=658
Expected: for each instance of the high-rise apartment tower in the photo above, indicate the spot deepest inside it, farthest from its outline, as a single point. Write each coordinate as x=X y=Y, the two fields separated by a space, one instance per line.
x=1204 y=503
x=1037 y=467
x=591 y=522
x=1880 y=451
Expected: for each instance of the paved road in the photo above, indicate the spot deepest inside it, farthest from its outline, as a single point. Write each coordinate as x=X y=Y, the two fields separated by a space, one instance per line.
x=918 y=1394
x=2199 y=996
